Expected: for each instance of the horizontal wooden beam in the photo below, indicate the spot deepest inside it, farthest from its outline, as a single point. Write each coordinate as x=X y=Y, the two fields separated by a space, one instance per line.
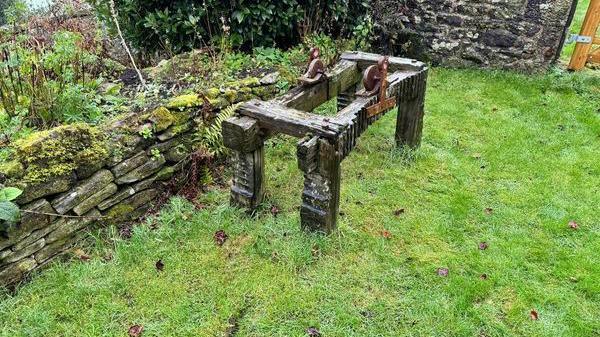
x=396 y=63
x=344 y=75
x=278 y=118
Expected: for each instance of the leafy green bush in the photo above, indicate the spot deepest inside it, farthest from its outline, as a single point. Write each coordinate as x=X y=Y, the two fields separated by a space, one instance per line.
x=180 y=25
x=9 y=211
x=4 y=5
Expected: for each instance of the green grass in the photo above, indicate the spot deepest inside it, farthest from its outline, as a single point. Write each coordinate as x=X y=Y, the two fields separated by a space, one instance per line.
x=575 y=28
x=525 y=146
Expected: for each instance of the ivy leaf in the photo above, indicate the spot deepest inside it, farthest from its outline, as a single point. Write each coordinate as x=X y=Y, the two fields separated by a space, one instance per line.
x=9 y=193
x=9 y=212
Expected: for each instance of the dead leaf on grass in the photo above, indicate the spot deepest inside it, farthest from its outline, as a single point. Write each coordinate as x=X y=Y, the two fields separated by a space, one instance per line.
x=399 y=212
x=533 y=314
x=220 y=237
x=488 y=211
x=135 y=330
x=313 y=332
x=160 y=265
x=573 y=224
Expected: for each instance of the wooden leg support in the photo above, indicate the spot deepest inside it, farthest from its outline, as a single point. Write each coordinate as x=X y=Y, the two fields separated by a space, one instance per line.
x=411 y=108
x=242 y=135
x=247 y=188
x=320 y=162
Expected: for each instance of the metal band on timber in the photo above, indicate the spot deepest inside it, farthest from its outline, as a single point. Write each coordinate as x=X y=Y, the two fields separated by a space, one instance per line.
x=383 y=83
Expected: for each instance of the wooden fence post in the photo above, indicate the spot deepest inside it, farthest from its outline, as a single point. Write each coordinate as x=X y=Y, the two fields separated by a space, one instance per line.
x=583 y=50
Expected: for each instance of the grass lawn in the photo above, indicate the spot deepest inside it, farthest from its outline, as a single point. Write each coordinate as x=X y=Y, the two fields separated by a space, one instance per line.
x=506 y=159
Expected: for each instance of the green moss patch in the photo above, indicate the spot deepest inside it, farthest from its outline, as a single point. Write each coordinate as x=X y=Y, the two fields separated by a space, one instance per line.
x=55 y=152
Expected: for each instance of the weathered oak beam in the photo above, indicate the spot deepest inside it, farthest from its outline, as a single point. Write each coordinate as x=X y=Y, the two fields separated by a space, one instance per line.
x=396 y=63
x=276 y=117
x=344 y=75
x=241 y=133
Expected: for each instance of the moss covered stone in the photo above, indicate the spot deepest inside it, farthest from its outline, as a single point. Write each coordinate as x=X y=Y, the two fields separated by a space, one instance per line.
x=230 y=95
x=162 y=118
x=265 y=92
x=212 y=93
x=12 y=169
x=184 y=101
x=60 y=151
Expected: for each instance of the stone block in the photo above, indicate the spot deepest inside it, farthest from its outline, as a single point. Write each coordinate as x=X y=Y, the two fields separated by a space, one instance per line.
x=53 y=185
x=95 y=199
x=29 y=222
x=121 y=195
x=15 y=272
x=83 y=190
x=24 y=252
x=147 y=169
x=129 y=164
x=68 y=226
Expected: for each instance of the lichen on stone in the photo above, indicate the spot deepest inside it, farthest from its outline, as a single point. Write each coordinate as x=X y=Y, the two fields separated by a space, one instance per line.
x=184 y=101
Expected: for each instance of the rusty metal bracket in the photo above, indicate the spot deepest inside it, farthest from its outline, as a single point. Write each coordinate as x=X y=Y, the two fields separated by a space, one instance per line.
x=315 y=72
x=375 y=82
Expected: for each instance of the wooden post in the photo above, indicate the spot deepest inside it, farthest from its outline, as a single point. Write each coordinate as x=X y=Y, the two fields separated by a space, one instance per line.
x=582 y=53
x=242 y=135
x=320 y=162
x=411 y=109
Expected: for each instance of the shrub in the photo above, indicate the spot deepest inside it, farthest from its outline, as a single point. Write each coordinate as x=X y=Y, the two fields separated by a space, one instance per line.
x=180 y=25
x=4 y=5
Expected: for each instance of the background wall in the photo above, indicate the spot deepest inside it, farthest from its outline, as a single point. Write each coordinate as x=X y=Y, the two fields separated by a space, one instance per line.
x=512 y=34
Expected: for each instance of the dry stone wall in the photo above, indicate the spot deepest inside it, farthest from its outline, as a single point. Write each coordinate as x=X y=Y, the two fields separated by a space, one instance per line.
x=525 y=35
x=75 y=176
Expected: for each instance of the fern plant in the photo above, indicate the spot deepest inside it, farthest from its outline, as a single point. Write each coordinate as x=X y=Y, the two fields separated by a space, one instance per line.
x=210 y=137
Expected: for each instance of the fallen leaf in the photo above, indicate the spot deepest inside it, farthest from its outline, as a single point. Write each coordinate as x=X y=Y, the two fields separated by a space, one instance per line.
x=573 y=224
x=125 y=232
x=313 y=332
x=220 y=237
x=483 y=276
x=483 y=245
x=135 y=330
x=488 y=210
x=399 y=212
x=386 y=234
x=443 y=272
x=160 y=265
x=81 y=255
x=274 y=210
x=533 y=314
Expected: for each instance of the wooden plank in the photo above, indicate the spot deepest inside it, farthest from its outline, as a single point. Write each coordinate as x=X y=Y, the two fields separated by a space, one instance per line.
x=396 y=63
x=344 y=75
x=589 y=28
x=278 y=118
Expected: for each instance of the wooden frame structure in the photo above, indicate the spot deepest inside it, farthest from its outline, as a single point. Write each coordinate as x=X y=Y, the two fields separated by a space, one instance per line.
x=325 y=140
x=584 y=50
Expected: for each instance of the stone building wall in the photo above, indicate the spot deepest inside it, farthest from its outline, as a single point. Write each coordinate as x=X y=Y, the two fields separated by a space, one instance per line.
x=525 y=35
x=76 y=176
